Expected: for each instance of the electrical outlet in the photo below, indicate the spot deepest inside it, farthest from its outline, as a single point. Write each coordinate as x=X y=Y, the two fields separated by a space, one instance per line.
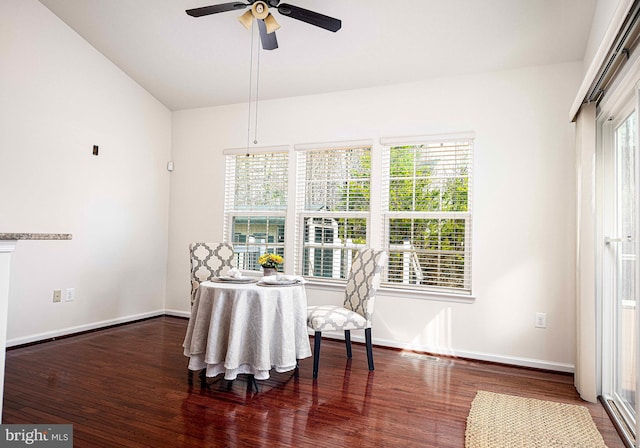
x=69 y=295
x=541 y=320
x=57 y=295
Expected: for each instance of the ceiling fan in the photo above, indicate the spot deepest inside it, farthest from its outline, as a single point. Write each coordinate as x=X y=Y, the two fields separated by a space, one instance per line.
x=266 y=22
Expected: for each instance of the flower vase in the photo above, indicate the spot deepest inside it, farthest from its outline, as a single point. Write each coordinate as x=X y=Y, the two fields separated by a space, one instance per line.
x=269 y=271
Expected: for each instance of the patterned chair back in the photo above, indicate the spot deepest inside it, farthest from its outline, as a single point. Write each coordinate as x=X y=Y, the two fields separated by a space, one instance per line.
x=363 y=282
x=208 y=260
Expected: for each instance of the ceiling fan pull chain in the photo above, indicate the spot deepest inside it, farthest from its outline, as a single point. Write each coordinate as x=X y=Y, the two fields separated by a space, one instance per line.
x=255 y=138
x=250 y=85
x=267 y=25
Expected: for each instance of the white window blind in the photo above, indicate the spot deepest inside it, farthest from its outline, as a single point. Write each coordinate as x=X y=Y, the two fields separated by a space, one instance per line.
x=256 y=204
x=427 y=218
x=334 y=188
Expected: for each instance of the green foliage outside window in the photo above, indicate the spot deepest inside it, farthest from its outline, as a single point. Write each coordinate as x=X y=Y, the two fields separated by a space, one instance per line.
x=428 y=205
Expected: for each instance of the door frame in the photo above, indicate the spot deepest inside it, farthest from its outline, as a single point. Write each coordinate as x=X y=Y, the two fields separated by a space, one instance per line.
x=620 y=101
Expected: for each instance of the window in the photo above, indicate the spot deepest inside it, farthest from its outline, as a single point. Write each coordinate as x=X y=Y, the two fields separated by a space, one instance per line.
x=427 y=213
x=409 y=196
x=333 y=207
x=256 y=203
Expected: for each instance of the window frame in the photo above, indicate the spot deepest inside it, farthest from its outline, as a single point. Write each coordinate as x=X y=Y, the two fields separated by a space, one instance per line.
x=232 y=212
x=302 y=214
x=377 y=217
x=387 y=215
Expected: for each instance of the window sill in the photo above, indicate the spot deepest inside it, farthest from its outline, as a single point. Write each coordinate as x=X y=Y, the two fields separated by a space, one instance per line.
x=404 y=293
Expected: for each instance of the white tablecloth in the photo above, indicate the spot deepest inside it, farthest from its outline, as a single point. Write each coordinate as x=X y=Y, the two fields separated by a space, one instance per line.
x=246 y=328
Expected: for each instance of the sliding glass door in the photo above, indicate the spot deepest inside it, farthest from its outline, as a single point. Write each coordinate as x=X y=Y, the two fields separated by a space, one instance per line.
x=620 y=320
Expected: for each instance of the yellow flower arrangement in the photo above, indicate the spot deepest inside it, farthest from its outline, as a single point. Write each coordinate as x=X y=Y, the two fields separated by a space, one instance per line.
x=269 y=260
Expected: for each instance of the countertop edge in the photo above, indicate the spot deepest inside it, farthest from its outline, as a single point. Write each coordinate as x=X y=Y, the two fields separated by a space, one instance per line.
x=35 y=236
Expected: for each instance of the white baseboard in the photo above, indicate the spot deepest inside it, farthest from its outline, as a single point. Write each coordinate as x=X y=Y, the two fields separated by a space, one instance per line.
x=178 y=313
x=479 y=356
x=511 y=360
x=81 y=328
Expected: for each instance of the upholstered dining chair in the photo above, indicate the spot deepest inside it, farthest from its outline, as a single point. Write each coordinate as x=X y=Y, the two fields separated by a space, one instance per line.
x=357 y=310
x=208 y=260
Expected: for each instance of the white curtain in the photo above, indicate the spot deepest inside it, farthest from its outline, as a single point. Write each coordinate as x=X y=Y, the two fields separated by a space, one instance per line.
x=586 y=347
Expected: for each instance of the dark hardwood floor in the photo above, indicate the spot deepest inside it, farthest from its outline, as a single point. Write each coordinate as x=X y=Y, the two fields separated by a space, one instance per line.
x=127 y=387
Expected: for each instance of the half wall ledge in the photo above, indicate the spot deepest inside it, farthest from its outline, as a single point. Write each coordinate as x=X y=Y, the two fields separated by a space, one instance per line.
x=8 y=243
x=34 y=236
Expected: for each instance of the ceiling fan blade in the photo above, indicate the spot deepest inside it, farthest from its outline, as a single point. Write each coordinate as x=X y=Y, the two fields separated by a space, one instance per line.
x=214 y=9
x=313 y=18
x=269 y=41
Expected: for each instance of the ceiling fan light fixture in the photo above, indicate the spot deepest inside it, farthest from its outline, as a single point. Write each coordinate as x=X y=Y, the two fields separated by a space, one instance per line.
x=272 y=24
x=267 y=24
x=245 y=19
x=260 y=10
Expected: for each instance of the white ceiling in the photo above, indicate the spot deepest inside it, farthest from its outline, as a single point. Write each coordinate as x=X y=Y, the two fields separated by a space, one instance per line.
x=188 y=62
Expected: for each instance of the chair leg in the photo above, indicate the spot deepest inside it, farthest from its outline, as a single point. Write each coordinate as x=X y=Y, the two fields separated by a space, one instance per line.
x=316 y=353
x=347 y=341
x=367 y=337
x=202 y=375
x=251 y=383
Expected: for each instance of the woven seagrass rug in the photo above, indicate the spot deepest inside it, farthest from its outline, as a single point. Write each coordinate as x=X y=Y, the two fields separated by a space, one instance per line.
x=505 y=421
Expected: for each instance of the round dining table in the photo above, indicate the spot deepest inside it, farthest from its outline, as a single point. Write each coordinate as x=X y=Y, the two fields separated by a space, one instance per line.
x=247 y=328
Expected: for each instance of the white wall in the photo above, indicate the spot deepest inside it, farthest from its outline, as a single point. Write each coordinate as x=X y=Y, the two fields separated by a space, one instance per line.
x=524 y=201
x=58 y=98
